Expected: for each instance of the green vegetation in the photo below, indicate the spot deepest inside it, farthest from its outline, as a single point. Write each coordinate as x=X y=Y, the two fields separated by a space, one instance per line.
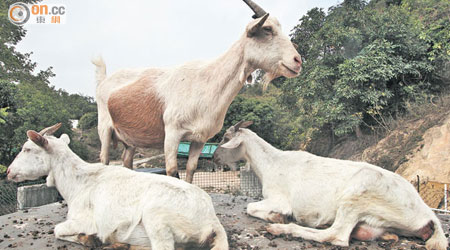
x=88 y=121
x=363 y=63
x=2 y=169
x=27 y=101
x=270 y=121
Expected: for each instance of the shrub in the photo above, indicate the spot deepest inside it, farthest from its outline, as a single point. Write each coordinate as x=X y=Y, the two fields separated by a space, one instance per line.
x=88 y=120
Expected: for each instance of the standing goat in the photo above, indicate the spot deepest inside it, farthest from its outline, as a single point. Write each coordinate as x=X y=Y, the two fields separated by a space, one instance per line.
x=156 y=107
x=118 y=205
x=357 y=199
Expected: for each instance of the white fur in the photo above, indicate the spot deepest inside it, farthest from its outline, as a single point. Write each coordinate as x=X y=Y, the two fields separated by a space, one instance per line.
x=118 y=204
x=318 y=191
x=196 y=95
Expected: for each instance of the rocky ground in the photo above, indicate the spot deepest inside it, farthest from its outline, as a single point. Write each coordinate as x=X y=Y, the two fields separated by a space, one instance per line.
x=33 y=229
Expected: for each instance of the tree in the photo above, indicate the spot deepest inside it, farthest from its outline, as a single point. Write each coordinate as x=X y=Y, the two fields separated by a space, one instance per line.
x=27 y=101
x=362 y=63
x=432 y=18
x=15 y=66
x=88 y=121
x=78 y=104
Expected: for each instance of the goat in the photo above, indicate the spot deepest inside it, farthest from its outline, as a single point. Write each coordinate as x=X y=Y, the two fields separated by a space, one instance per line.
x=155 y=107
x=118 y=205
x=357 y=199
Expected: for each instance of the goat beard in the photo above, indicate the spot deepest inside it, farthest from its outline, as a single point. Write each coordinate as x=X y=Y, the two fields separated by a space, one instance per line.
x=267 y=78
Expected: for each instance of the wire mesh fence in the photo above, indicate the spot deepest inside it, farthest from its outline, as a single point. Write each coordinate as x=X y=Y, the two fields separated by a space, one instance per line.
x=8 y=197
x=215 y=179
x=237 y=182
x=8 y=194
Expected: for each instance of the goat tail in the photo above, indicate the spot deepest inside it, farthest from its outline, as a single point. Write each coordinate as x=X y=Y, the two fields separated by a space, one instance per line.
x=100 y=71
x=220 y=241
x=437 y=241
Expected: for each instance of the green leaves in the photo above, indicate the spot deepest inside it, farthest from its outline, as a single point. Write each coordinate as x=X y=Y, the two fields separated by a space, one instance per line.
x=3 y=114
x=26 y=99
x=88 y=121
x=363 y=62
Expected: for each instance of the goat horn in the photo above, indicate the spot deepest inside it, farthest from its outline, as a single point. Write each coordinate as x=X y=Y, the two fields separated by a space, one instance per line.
x=50 y=130
x=254 y=30
x=259 y=12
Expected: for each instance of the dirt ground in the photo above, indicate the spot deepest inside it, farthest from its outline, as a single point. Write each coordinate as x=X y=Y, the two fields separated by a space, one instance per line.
x=33 y=229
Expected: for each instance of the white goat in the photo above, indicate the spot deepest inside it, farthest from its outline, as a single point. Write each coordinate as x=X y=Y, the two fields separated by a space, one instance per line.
x=357 y=199
x=118 y=205
x=155 y=107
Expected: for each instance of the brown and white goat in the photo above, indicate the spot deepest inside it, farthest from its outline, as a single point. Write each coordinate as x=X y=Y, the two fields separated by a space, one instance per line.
x=357 y=199
x=156 y=107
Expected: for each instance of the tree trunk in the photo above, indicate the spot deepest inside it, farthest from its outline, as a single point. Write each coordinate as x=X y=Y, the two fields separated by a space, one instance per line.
x=358 y=132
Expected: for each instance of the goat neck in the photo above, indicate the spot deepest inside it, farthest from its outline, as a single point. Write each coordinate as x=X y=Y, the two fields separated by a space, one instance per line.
x=261 y=155
x=229 y=73
x=65 y=169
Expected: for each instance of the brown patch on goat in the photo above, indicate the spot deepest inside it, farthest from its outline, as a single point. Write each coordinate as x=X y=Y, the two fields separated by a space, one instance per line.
x=427 y=231
x=91 y=241
x=137 y=114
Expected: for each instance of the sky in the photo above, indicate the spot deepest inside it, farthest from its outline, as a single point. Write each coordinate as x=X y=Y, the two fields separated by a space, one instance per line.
x=144 y=33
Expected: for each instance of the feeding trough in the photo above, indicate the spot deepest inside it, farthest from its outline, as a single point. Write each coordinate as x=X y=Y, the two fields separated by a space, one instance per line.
x=207 y=152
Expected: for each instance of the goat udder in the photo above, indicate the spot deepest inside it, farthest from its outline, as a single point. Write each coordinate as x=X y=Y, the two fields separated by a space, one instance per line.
x=366 y=233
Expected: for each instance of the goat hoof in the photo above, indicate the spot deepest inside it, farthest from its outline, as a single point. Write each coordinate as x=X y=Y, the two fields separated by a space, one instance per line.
x=91 y=241
x=275 y=229
x=176 y=175
x=389 y=237
x=277 y=218
x=117 y=246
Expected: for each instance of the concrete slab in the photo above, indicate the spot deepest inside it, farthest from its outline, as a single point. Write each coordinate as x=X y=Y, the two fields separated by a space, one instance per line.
x=36 y=195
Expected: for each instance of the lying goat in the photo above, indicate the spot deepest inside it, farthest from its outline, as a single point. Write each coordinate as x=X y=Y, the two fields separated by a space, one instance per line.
x=157 y=108
x=118 y=205
x=358 y=199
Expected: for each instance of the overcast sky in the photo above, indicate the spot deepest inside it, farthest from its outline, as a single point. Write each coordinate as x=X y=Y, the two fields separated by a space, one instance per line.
x=144 y=33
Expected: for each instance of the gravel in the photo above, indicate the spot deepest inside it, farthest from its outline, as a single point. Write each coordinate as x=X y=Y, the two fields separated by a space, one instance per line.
x=33 y=229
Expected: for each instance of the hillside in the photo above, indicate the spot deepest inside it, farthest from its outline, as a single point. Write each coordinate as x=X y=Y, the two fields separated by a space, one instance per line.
x=417 y=144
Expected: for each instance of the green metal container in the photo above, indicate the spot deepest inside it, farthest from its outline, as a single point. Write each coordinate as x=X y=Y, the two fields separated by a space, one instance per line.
x=207 y=152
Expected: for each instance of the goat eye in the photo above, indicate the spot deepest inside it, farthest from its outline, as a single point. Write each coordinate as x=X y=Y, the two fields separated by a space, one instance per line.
x=26 y=150
x=268 y=29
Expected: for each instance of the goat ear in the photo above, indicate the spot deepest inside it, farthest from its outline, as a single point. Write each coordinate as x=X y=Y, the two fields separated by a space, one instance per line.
x=233 y=143
x=257 y=26
x=37 y=139
x=65 y=138
x=242 y=124
x=250 y=78
x=246 y=124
